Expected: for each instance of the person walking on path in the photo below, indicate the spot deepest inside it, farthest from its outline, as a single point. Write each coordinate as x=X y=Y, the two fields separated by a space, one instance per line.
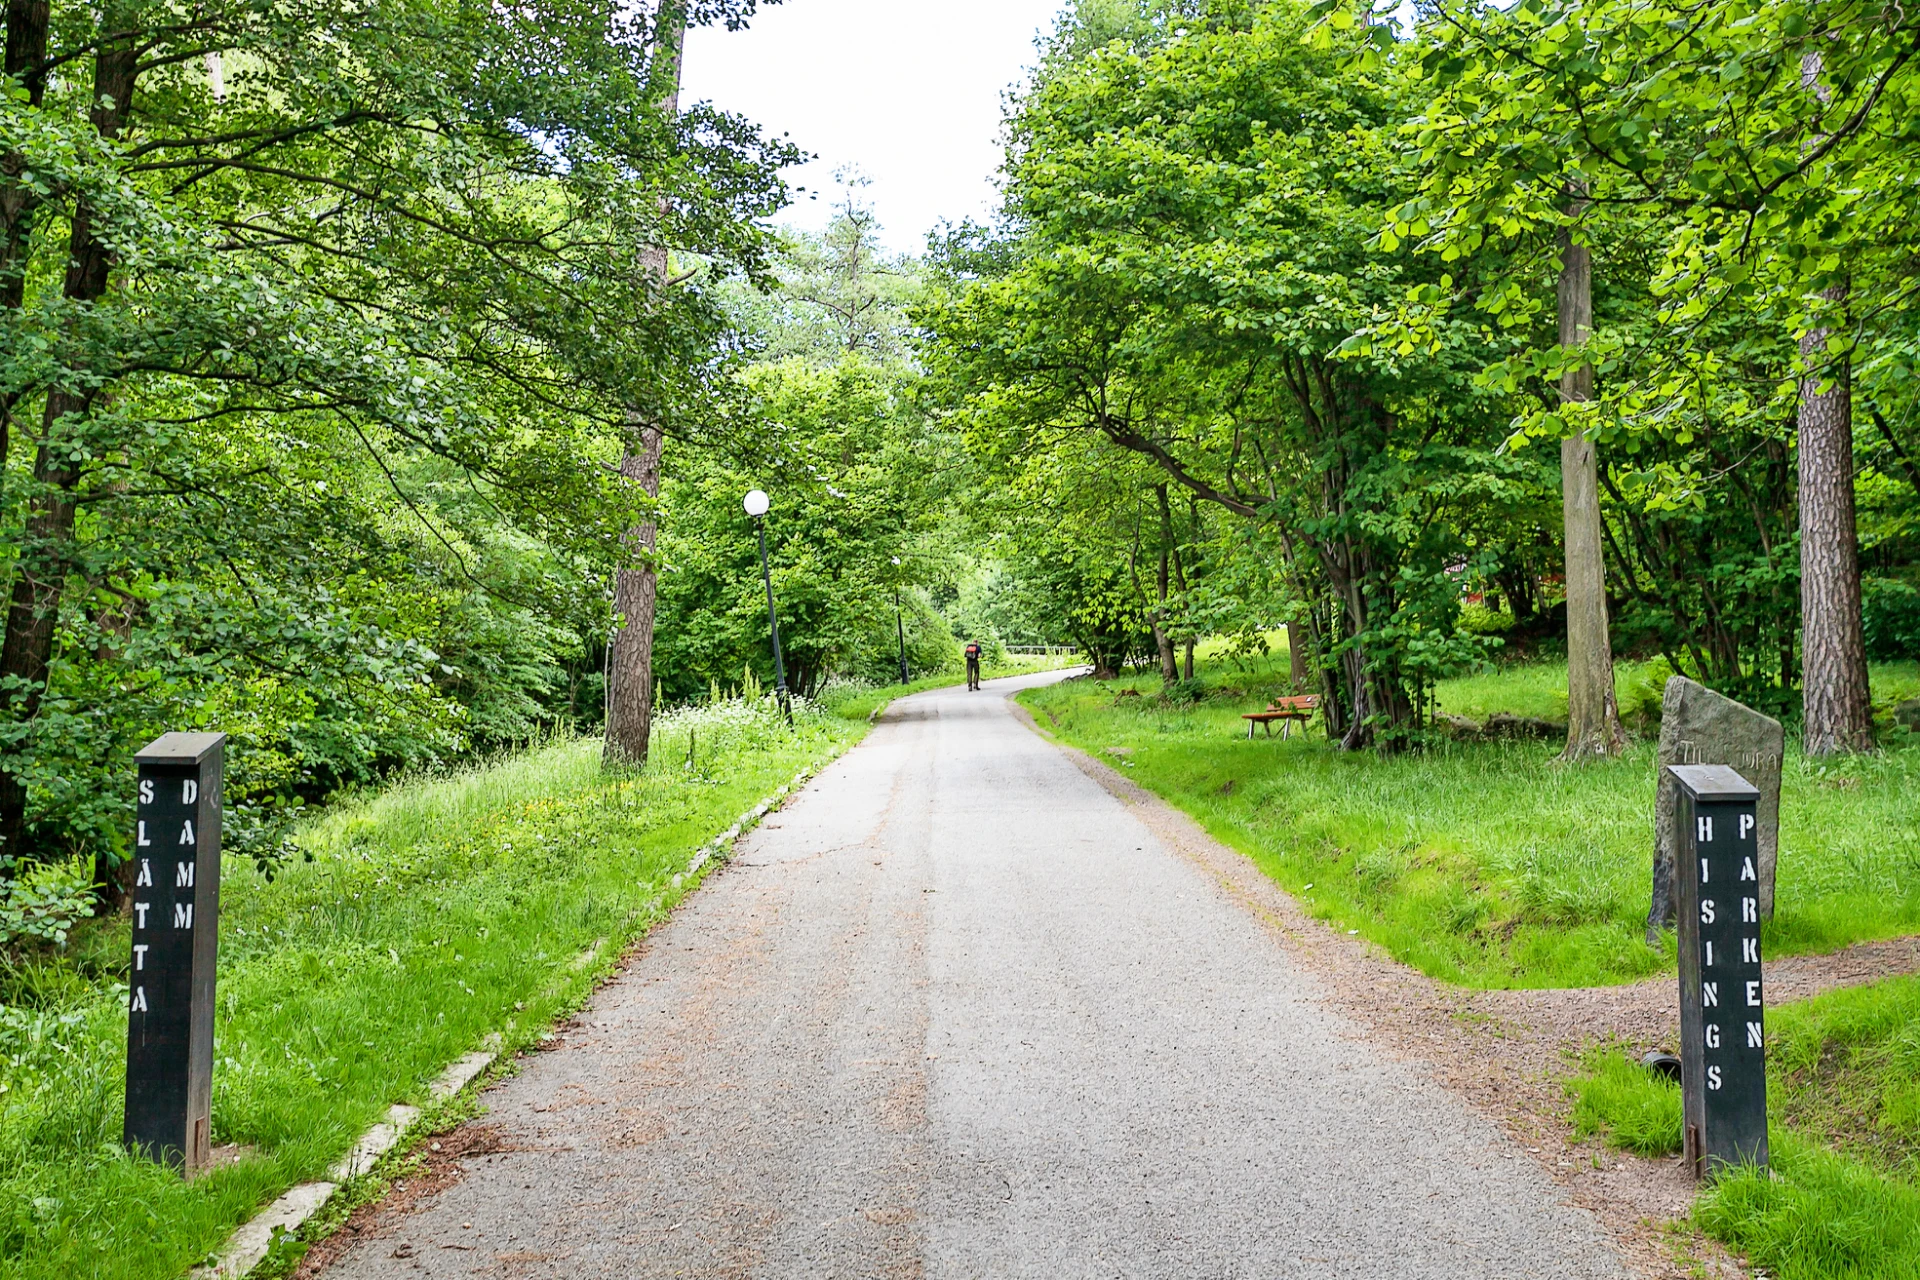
x=973 y=668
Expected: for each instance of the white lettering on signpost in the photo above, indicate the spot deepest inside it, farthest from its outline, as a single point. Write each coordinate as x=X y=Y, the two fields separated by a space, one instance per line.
x=1706 y=911
x=186 y=832
x=140 y=910
x=189 y=791
x=1709 y=955
x=1746 y=825
x=139 y=1003
x=1713 y=1035
x=1705 y=830
x=1754 y=1038
x=140 y=835
x=183 y=875
x=140 y=955
x=1713 y=1077
x=146 y=791
x=1749 y=911
x=145 y=879
x=1703 y=871
x=183 y=915
x=1750 y=951
x=1709 y=994
x=1753 y=995
x=1747 y=872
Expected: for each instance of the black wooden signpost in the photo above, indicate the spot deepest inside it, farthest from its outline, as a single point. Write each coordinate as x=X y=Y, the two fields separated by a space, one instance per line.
x=1722 y=1007
x=176 y=924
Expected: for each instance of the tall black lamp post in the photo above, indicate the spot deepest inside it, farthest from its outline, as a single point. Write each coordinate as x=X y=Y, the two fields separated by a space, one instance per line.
x=758 y=504
x=900 y=626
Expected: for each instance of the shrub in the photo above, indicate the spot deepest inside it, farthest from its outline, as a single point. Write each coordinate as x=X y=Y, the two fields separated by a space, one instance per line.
x=1890 y=612
x=44 y=900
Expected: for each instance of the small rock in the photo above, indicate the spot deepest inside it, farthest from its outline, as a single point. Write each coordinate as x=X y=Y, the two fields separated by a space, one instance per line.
x=1907 y=714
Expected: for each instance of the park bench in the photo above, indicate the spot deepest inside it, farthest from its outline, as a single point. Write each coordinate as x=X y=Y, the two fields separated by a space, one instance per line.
x=1300 y=708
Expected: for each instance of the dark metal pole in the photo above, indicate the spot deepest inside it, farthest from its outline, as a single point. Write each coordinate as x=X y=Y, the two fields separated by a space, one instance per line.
x=901 y=626
x=773 y=622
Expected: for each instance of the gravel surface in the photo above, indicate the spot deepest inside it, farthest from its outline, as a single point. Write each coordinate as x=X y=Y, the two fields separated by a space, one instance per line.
x=964 y=1008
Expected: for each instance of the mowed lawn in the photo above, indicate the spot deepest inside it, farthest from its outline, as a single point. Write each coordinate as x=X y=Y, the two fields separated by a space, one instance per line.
x=1489 y=864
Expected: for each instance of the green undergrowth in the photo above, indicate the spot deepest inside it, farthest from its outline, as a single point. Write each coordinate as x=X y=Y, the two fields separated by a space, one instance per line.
x=430 y=916
x=1633 y=1108
x=1489 y=864
x=1843 y=1090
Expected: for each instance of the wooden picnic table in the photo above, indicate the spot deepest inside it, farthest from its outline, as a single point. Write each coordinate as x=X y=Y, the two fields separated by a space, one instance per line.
x=1301 y=708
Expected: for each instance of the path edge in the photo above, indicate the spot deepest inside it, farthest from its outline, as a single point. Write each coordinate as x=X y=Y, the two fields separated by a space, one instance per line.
x=247 y=1247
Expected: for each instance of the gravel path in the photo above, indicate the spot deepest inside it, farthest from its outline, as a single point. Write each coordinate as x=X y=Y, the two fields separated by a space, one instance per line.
x=957 y=1011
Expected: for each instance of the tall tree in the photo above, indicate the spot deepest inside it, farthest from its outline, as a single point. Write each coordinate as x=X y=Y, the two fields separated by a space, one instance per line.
x=1593 y=714
x=1837 y=699
x=636 y=584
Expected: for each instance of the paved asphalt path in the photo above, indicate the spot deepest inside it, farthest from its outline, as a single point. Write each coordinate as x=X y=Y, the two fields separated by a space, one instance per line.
x=956 y=1013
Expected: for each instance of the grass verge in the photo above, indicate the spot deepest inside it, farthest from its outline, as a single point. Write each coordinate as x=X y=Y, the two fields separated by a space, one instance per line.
x=1843 y=1082
x=1488 y=864
x=431 y=915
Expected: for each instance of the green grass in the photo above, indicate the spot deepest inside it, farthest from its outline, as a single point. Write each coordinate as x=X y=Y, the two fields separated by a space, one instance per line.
x=1843 y=1083
x=1633 y=1108
x=1489 y=864
x=432 y=915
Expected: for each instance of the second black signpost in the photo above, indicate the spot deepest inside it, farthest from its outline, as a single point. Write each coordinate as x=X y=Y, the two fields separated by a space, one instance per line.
x=1722 y=1003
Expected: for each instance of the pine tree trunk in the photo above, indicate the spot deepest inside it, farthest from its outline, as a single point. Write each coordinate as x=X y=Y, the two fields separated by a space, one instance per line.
x=1593 y=716
x=1838 y=701
x=1838 y=698
x=46 y=552
x=636 y=595
x=636 y=586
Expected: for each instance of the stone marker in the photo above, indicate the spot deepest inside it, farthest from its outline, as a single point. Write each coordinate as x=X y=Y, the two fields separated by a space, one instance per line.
x=176 y=923
x=1699 y=726
x=1723 y=1059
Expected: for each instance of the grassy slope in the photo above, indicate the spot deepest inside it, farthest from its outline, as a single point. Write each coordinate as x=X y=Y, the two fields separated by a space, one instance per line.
x=1490 y=865
x=1843 y=1080
x=432 y=915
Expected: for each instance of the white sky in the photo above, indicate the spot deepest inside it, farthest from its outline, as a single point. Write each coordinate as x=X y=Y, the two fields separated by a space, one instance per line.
x=907 y=91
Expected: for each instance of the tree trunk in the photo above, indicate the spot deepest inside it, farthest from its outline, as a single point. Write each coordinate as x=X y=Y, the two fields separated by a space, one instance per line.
x=46 y=551
x=636 y=594
x=1593 y=714
x=1169 y=664
x=636 y=589
x=1838 y=699
x=1297 y=657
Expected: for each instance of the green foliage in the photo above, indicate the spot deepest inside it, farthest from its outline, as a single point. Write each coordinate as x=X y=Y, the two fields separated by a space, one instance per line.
x=315 y=447
x=42 y=902
x=1891 y=614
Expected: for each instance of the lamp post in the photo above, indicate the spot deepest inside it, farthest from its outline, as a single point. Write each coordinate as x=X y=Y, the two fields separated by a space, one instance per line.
x=758 y=504
x=900 y=626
